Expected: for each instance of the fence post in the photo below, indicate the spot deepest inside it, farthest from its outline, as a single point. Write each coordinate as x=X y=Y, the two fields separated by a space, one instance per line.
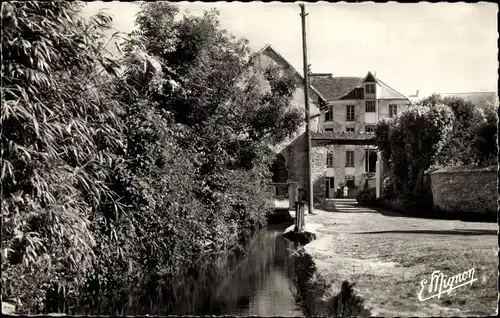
x=299 y=216
x=378 y=175
x=297 y=212
x=302 y=212
x=293 y=193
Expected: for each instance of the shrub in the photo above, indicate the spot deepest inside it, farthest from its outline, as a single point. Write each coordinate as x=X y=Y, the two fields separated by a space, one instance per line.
x=367 y=197
x=387 y=191
x=412 y=141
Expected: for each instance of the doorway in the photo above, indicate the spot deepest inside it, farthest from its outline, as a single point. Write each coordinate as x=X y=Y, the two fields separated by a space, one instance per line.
x=330 y=187
x=351 y=185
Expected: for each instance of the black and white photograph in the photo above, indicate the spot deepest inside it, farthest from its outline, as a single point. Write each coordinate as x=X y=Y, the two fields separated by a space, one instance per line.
x=266 y=159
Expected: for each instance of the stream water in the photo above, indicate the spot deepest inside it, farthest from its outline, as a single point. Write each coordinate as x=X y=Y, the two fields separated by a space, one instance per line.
x=262 y=282
x=258 y=282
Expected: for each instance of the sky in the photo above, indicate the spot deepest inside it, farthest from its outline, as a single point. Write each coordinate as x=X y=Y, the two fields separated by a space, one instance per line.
x=430 y=47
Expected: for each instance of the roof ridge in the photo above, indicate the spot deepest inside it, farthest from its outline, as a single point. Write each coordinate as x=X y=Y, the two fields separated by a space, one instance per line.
x=357 y=77
x=268 y=46
x=264 y=48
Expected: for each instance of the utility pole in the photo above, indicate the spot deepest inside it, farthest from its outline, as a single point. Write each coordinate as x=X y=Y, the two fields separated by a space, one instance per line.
x=303 y=15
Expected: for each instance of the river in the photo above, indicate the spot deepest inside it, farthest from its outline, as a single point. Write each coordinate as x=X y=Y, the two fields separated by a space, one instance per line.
x=262 y=282
x=257 y=282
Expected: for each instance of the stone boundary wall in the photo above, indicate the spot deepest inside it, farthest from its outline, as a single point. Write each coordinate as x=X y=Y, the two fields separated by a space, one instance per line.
x=467 y=189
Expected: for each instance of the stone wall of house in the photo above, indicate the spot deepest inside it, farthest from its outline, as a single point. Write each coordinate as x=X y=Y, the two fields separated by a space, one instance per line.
x=465 y=189
x=295 y=156
x=292 y=148
x=318 y=156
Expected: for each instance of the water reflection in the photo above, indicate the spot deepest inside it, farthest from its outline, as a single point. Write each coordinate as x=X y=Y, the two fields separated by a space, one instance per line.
x=256 y=283
x=262 y=282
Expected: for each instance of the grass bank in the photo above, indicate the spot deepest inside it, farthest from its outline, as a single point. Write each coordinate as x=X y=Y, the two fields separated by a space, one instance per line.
x=318 y=296
x=387 y=257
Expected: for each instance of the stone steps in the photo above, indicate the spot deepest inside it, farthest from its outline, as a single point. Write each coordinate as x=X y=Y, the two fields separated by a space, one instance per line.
x=345 y=206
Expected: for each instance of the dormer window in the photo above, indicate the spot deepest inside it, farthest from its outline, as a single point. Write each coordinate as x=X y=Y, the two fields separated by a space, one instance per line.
x=370 y=88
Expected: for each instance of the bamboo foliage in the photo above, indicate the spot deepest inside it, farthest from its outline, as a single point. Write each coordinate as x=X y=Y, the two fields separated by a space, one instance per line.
x=58 y=143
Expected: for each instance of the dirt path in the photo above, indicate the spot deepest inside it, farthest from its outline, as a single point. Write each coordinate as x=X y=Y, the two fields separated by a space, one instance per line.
x=388 y=256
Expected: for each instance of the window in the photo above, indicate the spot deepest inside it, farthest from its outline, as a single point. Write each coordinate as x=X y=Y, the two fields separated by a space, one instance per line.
x=332 y=182
x=329 y=129
x=349 y=129
x=370 y=160
x=370 y=128
x=393 y=110
x=329 y=114
x=370 y=106
x=329 y=159
x=370 y=88
x=350 y=113
x=349 y=160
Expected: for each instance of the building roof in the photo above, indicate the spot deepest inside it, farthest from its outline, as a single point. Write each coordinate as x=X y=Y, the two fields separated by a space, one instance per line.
x=336 y=88
x=329 y=88
x=269 y=48
x=479 y=99
x=388 y=92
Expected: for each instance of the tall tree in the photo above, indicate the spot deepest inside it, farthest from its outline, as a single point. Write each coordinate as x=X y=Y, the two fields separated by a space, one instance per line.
x=413 y=141
x=457 y=151
x=229 y=123
x=485 y=142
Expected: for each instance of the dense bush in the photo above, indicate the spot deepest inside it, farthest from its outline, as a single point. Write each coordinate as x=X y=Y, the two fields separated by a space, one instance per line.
x=457 y=149
x=412 y=143
x=438 y=132
x=367 y=197
x=119 y=170
x=485 y=140
x=387 y=190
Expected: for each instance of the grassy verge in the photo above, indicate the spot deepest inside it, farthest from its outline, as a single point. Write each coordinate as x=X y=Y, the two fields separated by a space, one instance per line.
x=387 y=258
x=318 y=295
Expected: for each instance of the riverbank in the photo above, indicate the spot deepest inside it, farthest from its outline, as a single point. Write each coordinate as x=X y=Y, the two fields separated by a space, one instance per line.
x=388 y=256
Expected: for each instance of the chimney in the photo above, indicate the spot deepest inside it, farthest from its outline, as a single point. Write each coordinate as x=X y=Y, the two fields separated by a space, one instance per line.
x=416 y=94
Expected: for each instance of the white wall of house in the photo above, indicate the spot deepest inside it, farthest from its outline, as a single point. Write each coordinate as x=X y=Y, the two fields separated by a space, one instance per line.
x=383 y=107
x=361 y=119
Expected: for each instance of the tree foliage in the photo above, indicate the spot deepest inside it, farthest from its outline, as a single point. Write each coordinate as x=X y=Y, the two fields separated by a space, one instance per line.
x=120 y=170
x=457 y=150
x=485 y=140
x=438 y=132
x=412 y=142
